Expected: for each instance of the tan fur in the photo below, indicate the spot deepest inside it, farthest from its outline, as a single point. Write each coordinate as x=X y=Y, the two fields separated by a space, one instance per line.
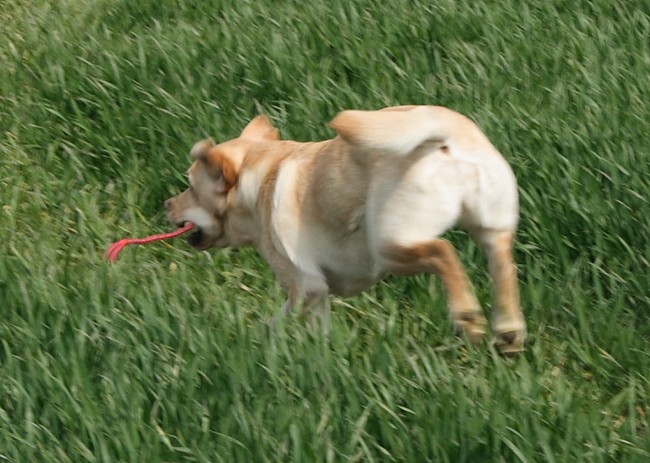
x=336 y=216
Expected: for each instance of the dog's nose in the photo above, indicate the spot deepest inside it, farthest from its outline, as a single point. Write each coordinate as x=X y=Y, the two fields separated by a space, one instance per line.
x=168 y=203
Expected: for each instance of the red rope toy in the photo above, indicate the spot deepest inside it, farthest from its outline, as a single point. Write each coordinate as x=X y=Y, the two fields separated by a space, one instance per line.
x=114 y=250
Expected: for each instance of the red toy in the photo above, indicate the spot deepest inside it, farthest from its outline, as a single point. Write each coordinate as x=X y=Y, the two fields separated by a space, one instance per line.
x=114 y=250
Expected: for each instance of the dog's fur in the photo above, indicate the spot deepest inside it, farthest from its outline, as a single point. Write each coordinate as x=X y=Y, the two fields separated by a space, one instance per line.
x=338 y=215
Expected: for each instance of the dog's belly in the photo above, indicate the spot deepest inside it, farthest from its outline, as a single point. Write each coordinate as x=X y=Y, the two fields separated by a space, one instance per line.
x=345 y=283
x=348 y=266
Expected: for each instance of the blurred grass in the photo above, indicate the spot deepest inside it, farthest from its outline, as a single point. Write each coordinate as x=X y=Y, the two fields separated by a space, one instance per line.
x=166 y=357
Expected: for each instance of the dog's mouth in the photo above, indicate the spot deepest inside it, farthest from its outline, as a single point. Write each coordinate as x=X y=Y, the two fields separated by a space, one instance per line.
x=195 y=238
x=199 y=240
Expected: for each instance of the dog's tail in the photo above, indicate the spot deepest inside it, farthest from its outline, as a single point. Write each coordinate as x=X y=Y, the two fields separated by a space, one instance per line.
x=398 y=130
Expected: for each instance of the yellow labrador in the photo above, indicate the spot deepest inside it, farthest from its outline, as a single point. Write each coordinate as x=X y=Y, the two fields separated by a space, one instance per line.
x=336 y=216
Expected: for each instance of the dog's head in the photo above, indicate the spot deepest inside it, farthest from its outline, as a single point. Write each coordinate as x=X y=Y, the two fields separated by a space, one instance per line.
x=209 y=201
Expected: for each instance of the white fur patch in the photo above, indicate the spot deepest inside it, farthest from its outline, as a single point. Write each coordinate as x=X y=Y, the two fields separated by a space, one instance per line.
x=199 y=217
x=249 y=188
x=284 y=217
x=291 y=234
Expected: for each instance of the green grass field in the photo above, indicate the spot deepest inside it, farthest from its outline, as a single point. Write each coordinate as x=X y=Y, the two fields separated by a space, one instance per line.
x=166 y=357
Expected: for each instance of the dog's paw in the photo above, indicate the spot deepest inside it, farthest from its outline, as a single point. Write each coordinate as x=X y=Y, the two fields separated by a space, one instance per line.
x=470 y=324
x=510 y=336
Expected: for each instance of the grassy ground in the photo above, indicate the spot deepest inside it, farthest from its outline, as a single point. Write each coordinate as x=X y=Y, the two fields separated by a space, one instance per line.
x=166 y=357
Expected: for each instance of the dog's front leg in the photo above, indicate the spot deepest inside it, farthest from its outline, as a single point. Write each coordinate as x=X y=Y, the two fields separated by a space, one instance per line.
x=317 y=308
x=308 y=295
x=312 y=300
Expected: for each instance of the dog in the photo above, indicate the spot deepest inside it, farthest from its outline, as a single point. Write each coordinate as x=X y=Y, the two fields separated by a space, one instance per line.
x=337 y=216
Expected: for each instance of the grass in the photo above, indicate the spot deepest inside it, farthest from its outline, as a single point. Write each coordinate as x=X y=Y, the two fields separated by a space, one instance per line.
x=165 y=356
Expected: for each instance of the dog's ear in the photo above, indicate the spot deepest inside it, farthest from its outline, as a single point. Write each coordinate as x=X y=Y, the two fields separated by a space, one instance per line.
x=260 y=129
x=217 y=164
x=201 y=149
x=221 y=168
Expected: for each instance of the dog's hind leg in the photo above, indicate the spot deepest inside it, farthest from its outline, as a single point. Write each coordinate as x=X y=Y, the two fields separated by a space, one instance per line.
x=439 y=257
x=508 y=324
